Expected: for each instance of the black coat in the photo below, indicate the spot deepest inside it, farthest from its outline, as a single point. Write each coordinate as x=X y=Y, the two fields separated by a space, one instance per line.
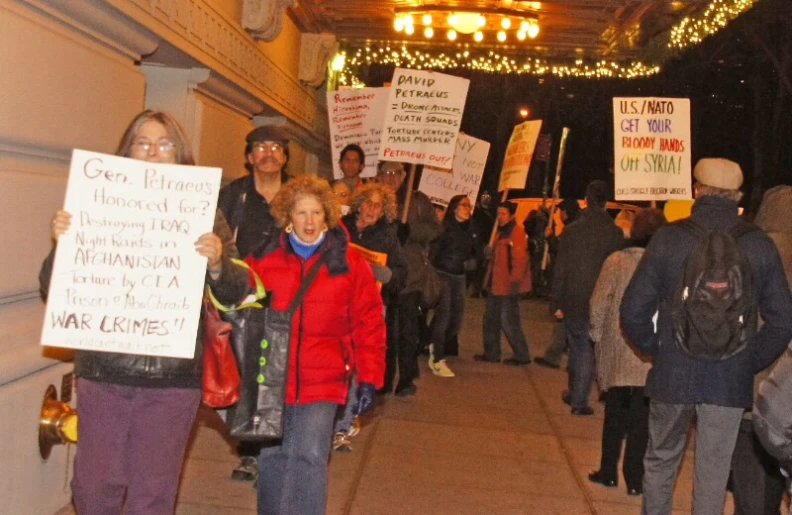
x=679 y=379
x=459 y=243
x=583 y=247
x=381 y=237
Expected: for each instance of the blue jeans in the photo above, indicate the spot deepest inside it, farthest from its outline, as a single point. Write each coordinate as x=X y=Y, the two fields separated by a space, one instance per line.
x=581 y=361
x=346 y=414
x=293 y=475
x=503 y=313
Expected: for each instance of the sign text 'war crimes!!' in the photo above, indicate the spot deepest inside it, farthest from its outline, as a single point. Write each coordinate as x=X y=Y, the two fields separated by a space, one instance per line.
x=464 y=178
x=423 y=117
x=652 y=148
x=127 y=277
x=356 y=116
x=519 y=154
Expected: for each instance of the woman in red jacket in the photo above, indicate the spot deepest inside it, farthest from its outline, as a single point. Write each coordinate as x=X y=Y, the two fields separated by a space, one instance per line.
x=337 y=331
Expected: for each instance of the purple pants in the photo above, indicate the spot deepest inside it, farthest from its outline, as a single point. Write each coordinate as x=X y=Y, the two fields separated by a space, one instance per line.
x=131 y=440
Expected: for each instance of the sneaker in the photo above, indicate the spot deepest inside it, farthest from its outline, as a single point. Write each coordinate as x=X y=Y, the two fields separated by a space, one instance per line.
x=341 y=443
x=441 y=369
x=354 y=430
x=247 y=470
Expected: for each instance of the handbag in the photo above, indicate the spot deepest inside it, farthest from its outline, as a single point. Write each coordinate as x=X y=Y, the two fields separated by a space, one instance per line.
x=423 y=277
x=221 y=377
x=261 y=340
x=220 y=372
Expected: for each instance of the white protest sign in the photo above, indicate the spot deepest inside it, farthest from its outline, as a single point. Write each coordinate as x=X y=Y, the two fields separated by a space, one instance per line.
x=652 y=148
x=356 y=116
x=423 y=117
x=519 y=154
x=464 y=178
x=127 y=277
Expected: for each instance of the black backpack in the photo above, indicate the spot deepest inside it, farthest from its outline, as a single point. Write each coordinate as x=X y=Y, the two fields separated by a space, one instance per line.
x=714 y=308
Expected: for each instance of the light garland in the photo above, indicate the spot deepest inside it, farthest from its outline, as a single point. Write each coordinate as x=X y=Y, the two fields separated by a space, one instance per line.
x=715 y=17
x=490 y=62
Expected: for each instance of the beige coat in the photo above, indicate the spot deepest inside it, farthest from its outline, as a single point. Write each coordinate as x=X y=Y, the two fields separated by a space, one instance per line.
x=618 y=363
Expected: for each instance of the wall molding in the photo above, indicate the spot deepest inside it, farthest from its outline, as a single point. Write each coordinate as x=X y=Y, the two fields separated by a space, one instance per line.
x=264 y=18
x=316 y=50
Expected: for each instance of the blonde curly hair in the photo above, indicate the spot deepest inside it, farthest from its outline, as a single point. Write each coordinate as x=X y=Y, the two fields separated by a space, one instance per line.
x=366 y=191
x=305 y=186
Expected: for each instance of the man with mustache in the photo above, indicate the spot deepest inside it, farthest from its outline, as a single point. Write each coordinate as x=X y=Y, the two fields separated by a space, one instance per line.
x=245 y=204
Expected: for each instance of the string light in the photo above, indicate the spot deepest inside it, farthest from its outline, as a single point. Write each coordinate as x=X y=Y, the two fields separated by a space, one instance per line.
x=692 y=31
x=490 y=62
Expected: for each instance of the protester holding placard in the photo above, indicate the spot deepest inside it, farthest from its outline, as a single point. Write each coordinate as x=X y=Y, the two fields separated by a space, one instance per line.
x=245 y=204
x=421 y=228
x=337 y=331
x=136 y=411
x=453 y=253
x=370 y=226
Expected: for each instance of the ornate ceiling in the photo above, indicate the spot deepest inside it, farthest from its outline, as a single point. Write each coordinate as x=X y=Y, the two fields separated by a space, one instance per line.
x=586 y=29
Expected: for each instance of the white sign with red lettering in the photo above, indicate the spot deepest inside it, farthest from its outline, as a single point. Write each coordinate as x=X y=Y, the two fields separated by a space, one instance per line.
x=423 y=117
x=519 y=154
x=652 y=148
x=356 y=116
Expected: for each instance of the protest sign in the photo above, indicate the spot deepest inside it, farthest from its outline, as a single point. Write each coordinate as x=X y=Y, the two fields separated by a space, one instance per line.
x=424 y=113
x=126 y=276
x=652 y=148
x=519 y=154
x=356 y=116
x=464 y=178
x=373 y=258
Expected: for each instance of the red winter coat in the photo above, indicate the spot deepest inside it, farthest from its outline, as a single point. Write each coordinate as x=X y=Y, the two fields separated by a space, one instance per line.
x=340 y=326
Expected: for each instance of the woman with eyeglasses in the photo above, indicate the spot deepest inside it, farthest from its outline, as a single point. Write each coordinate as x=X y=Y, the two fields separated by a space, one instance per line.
x=453 y=253
x=136 y=412
x=370 y=225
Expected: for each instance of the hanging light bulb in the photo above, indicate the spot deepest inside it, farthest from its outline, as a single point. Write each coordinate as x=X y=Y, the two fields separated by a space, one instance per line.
x=409 y=29
x=428 y=32
x=482 y=21
x=524 y=25
x=453 y=20
x=452 y=35
x=398 y=24
x=501 y=36
x=427 y=19
x=506 y=23
x=521 y=35
x=478 y=36
x=533 y=30
x=409 y=21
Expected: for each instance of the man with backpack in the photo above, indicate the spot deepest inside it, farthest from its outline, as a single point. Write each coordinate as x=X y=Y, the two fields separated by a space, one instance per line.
x=708 y=276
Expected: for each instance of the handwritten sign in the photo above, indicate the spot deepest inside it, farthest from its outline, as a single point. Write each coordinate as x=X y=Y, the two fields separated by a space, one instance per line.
x=652 y=148
x=356 y=116
x=464 y=178
x=127 y=277
x=519 y=154
x=423 y=116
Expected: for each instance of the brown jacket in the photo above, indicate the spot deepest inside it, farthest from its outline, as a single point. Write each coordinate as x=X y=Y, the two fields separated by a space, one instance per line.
x=509 y=262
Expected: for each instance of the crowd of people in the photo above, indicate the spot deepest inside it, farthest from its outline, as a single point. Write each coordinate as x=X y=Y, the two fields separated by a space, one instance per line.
x=359 y=256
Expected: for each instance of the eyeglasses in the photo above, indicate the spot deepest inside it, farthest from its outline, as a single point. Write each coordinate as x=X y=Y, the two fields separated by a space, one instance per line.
x=341 y=193
x=390 y=173
x=164 y=146
x=261 y=148
x=372 y=205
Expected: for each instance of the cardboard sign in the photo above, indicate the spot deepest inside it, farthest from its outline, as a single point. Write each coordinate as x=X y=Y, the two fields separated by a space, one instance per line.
x=519 y=154
x=652 y=148
x=423 y=117
x=374 y=258
x=356 y=116
x=126 y=276
x=464 y=178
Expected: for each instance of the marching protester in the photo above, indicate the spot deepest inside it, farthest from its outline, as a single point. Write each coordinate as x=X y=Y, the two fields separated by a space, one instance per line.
x=136 y=412
x=583 y=247
x=421 y=228
x=370 y=225
x=506 y=271
x=757 y=481
x=453 y=253
x=245 y=203
x=337 y=331
x=621 y=369
x=706 y=347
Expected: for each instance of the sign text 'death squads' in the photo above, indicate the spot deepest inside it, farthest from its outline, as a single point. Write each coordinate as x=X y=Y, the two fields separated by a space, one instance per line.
x=423 y=117
x=127 y=277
